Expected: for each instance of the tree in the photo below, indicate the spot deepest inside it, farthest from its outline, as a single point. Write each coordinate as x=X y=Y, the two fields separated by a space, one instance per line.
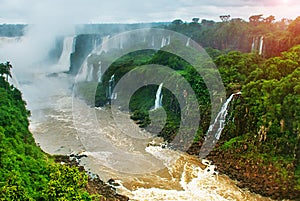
x=225 y=18
x=195 y=20
x=294 y=27
x=270 y=19
x=255 y=18
x=177 y=22
x=5 y=69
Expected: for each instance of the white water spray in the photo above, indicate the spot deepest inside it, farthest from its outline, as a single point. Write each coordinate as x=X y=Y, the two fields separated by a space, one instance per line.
x=152 y=41
x=220 y=120
x=215 y=129
x=99 y=73
x=64 y=62
x=163 y=41
x=169 y=40
x=90 y=73
x=111 y=85
x=121 y=43
x=261 y=45
x=188 y=42
x=252 y=45
x=158 y=99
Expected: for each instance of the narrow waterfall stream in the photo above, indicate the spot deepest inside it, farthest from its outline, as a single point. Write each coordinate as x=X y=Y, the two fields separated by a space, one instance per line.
x=158 y=97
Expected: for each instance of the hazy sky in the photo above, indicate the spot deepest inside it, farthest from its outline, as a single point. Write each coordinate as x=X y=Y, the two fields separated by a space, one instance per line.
x=100 y=11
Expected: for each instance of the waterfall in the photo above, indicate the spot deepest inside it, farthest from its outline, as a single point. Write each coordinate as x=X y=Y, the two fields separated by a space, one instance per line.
x=159 y=96
x=68 y=48
x=163 y=41
x=104 y=47
x=99 y=73
x=90 y=75
x=111 y=84
x=121 y=43
x=219 y=122
x=215 y=129
x=152 y=42
x=90 y=72
x=261 y=45
x=95 y=44
x=252 y=46
x=188 y=42
x=83 y=74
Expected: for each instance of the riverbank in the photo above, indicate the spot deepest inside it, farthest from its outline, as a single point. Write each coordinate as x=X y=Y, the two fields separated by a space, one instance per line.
x=95 y=185
x=254 y=175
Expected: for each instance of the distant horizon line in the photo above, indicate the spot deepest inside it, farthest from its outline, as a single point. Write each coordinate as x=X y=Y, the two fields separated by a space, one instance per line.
x=153 y=22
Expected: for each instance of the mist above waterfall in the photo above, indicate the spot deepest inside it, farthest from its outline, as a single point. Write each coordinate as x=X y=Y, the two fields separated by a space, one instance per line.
x=28 y=55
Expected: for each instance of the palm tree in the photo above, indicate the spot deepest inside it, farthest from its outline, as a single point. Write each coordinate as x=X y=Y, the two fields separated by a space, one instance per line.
x=5 y=69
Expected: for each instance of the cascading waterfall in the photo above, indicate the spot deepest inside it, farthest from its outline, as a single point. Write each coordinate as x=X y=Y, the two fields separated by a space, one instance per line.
x=188 y=42
x=82 y=75
x=152 y=41
x=111 y=85
x=159 y=96
x=253 y=45
x=90 y=73
x=104 y=47
x=215 y=129
x=261 y=45
x=221 y=118
x=99 y=73
x=169 y=40
x=163 y=41
x=94 y=44
x=121 y=43
x=64 y=61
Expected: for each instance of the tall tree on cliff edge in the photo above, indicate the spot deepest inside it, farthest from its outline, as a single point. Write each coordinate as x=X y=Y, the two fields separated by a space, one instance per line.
x=5 y=69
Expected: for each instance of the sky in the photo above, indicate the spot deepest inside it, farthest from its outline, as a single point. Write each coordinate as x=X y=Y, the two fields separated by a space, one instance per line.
x=131 y=11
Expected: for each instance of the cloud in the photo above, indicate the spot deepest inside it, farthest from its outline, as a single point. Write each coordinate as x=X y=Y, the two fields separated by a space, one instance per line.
x=100 y=11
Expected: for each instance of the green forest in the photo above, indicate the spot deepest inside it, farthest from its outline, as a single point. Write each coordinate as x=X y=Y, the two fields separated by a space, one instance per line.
x=238 y=34
x=260 y=145
x=26 y=172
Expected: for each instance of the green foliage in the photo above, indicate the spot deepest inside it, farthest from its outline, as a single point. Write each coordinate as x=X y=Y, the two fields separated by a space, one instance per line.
x=294 y=27
x=267 y=117
x=233 y=143
x=26 y=173
x=235 y=67
x=238 y=35
x=5 y=69
x=65 y=183
x=118 y=68
x=263 y=122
